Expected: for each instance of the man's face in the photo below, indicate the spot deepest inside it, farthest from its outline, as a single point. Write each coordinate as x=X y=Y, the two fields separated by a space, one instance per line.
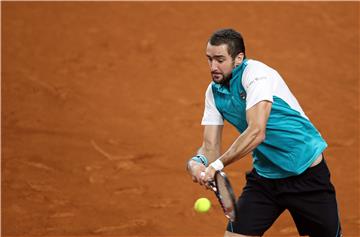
x=220 y=62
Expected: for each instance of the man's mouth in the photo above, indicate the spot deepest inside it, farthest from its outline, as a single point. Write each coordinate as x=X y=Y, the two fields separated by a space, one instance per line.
x=216 y=74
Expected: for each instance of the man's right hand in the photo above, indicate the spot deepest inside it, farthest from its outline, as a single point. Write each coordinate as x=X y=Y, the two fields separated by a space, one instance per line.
x=194 y=169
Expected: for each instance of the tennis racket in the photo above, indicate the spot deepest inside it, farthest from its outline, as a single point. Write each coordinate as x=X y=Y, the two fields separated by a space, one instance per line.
x=225 y=194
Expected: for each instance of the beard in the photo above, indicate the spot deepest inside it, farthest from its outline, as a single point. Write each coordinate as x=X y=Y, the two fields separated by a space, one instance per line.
x=220 y=78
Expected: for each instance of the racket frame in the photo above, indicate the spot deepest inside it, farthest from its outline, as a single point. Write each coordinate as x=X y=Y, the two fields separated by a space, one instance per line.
x=215 y=189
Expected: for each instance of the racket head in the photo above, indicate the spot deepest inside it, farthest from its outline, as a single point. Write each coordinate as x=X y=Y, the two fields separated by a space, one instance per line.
x=226 y=195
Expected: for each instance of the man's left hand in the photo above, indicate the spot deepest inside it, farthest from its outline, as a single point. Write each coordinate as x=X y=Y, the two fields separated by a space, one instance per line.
x=209 y=175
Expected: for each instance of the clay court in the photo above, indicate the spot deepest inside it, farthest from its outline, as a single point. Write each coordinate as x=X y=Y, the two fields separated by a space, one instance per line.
x=102 y=102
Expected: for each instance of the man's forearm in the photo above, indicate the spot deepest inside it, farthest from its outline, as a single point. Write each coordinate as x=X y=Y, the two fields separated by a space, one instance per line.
x=210 y=153
x=244 y=144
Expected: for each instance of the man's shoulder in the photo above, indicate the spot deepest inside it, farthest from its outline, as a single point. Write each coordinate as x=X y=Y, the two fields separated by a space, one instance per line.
x=256 y=65
x=209 y=87
x=256 y=68
x=208 y=91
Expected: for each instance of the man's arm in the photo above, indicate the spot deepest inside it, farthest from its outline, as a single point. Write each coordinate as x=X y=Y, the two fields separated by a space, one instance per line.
x=257 y=117
x=211 y=146
x=210 y=149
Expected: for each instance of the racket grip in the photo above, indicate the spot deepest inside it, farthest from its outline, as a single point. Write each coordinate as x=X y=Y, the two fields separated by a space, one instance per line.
x=211 y=183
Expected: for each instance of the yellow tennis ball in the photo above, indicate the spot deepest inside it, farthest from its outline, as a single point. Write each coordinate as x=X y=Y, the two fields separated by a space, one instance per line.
x=202 y=205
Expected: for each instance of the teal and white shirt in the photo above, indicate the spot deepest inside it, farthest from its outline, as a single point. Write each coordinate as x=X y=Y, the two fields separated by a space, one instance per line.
x=292 y=143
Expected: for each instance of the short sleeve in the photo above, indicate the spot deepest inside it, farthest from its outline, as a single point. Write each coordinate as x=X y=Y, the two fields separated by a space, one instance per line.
x=258 y=84
x=211 y=114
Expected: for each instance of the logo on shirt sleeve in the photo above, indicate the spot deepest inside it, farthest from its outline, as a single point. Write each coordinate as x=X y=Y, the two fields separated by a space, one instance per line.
x=256 y=79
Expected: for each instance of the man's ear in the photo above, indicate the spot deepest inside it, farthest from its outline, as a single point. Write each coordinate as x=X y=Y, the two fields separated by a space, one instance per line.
x=239 y=58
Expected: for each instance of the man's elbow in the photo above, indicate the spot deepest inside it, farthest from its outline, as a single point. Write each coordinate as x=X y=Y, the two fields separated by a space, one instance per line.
x=259 y=135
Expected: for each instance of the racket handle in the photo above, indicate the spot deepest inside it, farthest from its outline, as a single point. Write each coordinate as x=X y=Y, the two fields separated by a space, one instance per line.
x=211 y=183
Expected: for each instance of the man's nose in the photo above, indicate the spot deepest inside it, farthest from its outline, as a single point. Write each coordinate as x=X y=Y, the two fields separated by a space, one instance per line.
x=214 y=66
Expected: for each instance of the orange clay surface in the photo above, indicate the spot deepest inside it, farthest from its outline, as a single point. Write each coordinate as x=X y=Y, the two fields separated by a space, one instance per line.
x=102 y=102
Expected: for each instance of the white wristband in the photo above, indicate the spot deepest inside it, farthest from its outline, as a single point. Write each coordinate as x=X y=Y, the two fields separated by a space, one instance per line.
x=217 y=165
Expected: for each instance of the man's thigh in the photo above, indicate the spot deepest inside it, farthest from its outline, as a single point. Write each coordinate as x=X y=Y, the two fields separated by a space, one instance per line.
x=316 y=215
x=314 y=208
x=257 y=208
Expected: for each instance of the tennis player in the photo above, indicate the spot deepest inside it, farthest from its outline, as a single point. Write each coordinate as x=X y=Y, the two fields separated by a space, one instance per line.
x=289 y=170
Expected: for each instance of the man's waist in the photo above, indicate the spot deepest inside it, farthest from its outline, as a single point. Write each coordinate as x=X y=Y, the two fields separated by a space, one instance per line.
x=317 y=160
x=282 y=166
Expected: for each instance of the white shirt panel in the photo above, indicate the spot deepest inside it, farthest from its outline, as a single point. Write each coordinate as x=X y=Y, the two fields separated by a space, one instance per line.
x=282 y=91
x=262 y=83
x=258 y=83
x=211 y=114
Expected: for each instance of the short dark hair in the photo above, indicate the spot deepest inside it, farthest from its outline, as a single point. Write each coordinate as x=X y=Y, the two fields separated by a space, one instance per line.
x=231 y=38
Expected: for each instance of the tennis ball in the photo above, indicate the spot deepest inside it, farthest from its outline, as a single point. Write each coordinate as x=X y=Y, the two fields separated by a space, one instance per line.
x=202 y=205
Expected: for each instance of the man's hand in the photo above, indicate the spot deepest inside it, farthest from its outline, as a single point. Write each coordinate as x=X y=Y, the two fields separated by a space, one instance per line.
x=194 y=169
x=208 y=175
